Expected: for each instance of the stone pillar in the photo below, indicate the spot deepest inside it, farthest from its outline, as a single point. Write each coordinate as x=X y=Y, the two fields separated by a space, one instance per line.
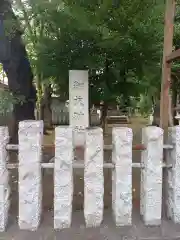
x=93 y=178
x=30 y=192
x=4 y=179
x=122 y=175
x=63 y=177
x=173 y=175
x=78 y=104
x=151 y=175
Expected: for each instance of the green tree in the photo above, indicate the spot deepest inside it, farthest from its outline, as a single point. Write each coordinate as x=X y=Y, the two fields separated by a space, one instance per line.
x=120 y=45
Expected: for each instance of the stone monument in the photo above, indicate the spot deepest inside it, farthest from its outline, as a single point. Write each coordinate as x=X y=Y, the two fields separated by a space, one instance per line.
x=79 y=104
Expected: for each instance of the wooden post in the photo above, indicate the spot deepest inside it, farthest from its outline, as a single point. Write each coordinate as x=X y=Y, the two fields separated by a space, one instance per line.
x=166 y=66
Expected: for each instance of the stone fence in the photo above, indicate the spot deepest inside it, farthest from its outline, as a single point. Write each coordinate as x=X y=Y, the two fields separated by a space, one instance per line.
x=30 y=179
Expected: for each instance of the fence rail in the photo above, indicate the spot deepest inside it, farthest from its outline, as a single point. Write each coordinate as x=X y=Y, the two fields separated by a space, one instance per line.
x=79 y=164
x=137 y=147
x=30 y=180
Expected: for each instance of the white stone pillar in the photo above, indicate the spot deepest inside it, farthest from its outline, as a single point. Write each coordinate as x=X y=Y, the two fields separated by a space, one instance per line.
x=30 y=189
x=151 y=177
x=63 y=177
x=143 y=155
x=79 y=104
x=173 y=175
x=93 y=178
x=4 y=179
x=122 y=175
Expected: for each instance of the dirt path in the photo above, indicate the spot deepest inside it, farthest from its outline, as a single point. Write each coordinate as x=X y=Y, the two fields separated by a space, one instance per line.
x=107 y=230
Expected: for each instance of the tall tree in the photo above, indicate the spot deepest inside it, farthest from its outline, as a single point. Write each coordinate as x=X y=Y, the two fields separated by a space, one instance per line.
x=15 y=63
x=120 y=45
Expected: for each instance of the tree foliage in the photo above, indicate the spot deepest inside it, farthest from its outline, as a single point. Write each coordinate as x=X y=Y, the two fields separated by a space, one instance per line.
x=119 y=42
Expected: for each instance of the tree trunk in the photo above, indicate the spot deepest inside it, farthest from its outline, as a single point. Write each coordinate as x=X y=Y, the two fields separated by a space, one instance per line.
x=104 y=109
x=126 y=101
x=156 y=114
x=21 y=112
x=16 y=65
x=39 y=96
x=46 y=107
